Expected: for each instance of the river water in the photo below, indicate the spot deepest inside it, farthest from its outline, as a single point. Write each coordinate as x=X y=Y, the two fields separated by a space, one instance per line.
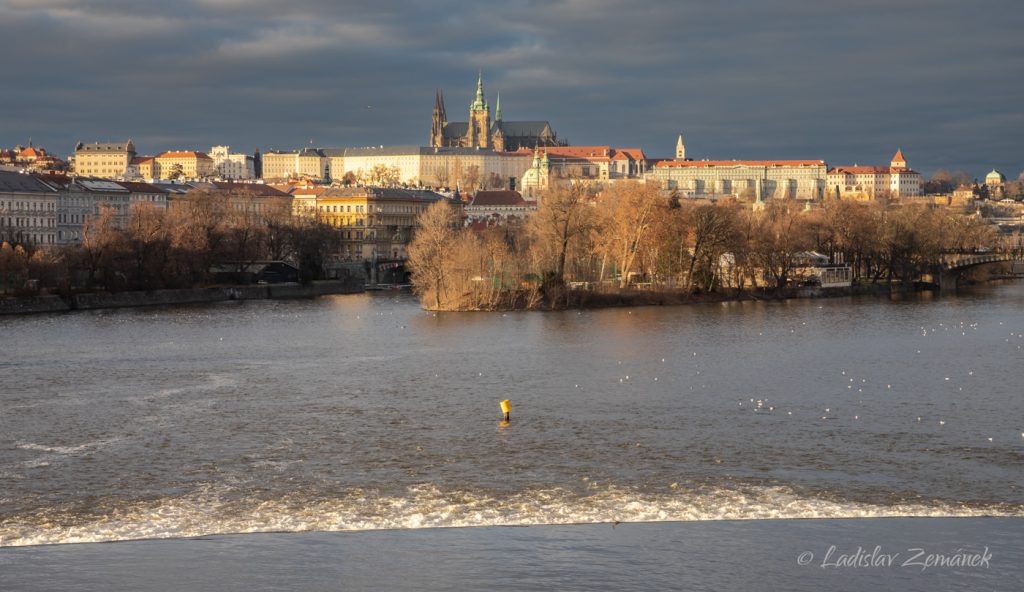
x=364 y=412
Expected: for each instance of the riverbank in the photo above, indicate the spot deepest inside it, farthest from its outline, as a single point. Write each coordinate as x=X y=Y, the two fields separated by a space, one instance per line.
x=588 y=299
x=572 y=299
x=99 y=300
x=729 y=555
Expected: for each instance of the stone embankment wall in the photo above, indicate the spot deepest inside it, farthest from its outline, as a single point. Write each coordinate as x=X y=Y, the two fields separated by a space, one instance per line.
x=97 y=300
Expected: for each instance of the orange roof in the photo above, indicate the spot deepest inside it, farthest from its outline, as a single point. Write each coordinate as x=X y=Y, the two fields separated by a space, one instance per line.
x=732 y=163
x=314 y=191
x=631 y=153
x=899 y=156
x=142 y=159
x=861 y=170
x=579 y=151
x=185 y=154
x=33 y=152
x=869 y=170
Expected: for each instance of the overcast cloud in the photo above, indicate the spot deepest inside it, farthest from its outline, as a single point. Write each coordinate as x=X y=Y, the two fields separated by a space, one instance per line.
x=848 y=82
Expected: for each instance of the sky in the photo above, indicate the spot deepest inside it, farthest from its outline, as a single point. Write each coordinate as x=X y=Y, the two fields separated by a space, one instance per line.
x=845 y=81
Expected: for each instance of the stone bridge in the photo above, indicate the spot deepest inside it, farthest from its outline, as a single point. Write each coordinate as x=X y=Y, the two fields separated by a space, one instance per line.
x=954 y=265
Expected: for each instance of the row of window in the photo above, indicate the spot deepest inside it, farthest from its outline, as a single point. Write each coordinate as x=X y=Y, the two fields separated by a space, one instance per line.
x=28 y=222
x=33 y=206
x=36 y=239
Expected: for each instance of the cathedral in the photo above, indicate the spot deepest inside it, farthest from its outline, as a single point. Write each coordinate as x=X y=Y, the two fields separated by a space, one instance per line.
x=481 y=132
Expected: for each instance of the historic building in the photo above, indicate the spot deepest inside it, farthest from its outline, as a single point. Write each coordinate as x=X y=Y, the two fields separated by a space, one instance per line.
x=497 y=207
x=874 y=182
x=598 y=164
x=420 y=166
x=374 y=222
x=183 y=165
x=481 y=132
x=996 y=184
x=109 y=161
x=28 y=210
x=229 y=165
x=753 y=180
x=308 y=163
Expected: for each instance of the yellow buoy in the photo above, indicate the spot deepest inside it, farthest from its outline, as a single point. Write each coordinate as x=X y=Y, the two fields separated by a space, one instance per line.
x=506 y=407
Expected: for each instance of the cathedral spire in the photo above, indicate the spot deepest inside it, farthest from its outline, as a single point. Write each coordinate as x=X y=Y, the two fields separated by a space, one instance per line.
x=438 y=120
x=479 y=104
x=497 y=108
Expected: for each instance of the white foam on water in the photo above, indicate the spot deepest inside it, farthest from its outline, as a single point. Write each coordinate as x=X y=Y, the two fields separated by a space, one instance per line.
x=65 y=450
x=427 y=506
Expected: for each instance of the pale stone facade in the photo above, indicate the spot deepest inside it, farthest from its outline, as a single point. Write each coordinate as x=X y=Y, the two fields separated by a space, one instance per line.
x=79 y=198
x=228 y=165
x=28 y=210
x=874 y=182
x=309 y=163
x=431 y=167
x=595 y=164
x=745 y=179
x=107 y=161
x=183 y=165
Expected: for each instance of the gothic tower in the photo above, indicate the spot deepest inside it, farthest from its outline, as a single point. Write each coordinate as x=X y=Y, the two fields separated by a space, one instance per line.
x=680 y=148
x=479 y=132
x=438 y=121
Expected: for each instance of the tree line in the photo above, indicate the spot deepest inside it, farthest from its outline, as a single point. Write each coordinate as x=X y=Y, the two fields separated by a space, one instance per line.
x=632 y=235
x=150 y=247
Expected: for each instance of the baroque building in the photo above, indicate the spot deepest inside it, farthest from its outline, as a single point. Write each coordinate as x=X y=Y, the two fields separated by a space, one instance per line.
x=874 y=182
x=752 y=180
x=108 y=161
x=481 y=132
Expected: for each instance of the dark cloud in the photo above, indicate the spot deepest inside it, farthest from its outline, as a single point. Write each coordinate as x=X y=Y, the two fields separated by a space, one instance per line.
x=847 y=82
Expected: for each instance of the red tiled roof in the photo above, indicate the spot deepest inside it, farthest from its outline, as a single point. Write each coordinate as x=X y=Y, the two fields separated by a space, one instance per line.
x=498 y=198
x=142 y=159
x=732 y=163
x=633 y=153
x=318 y=190
x=861 y=170
x=868 y=170
x=579 y=152
x=899 y=156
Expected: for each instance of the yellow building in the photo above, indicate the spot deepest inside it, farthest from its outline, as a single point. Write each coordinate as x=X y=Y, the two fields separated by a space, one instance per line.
x=183 y=165
x=308 y=163
x=107 y=161
x=144 y=167
x=375 y=223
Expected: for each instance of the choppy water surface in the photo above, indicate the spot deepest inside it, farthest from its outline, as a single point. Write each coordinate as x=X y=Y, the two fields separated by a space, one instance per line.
x=365 y=412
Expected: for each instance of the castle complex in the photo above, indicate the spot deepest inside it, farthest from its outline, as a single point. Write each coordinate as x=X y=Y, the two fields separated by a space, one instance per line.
x=481 y=132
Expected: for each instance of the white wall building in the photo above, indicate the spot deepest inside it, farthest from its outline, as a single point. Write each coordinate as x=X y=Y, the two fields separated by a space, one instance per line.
x=467 y=168
x=232 y=166
x=870 y=182
x=28 y=210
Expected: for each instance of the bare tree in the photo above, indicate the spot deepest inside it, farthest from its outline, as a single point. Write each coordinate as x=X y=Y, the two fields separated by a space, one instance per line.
x=430 y=253
x=628 y=214
x=561 y=220
x=712 y=229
